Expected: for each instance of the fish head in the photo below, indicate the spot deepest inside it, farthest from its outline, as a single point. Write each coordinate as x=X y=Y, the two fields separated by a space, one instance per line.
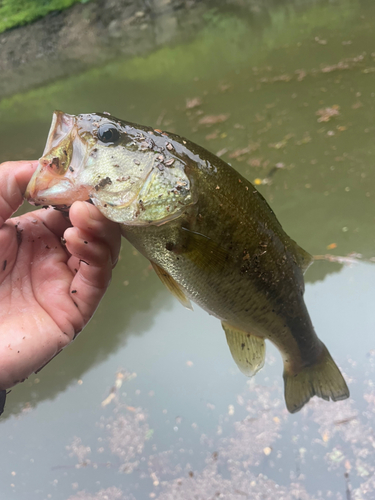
x=126 y=170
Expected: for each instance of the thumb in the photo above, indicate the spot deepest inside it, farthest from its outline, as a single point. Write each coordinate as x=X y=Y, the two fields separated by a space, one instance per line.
x=14 y=177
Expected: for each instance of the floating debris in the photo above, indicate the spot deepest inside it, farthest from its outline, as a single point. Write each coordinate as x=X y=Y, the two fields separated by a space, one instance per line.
x=238 y=153
x=213 y=119
x=331 y=246
x=325 y=114
x=193 y=102
x=320 y=41
x=121 y=377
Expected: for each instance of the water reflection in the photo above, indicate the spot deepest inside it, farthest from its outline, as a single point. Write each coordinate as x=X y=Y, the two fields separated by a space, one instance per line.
x=330 y=440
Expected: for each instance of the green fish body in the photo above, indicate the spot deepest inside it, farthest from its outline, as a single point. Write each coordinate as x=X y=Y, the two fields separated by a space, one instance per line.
x=209 y=234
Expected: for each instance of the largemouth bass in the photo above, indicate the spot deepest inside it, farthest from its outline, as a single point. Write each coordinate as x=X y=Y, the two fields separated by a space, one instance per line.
x=209 y=234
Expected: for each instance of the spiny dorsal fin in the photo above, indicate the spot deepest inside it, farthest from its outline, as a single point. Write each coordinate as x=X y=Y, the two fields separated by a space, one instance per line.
x=172 y=286
x=248 y=351
x=323 y=379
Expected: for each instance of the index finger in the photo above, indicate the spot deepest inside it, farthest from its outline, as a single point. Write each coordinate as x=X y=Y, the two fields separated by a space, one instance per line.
x=14 y=177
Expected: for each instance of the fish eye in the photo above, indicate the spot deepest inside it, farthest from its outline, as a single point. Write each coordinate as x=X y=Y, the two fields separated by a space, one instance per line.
x=108 y=133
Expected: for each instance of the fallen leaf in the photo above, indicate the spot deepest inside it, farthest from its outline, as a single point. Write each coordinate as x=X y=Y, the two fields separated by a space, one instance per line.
x=193 y=103
x=255 y=162
x=214 y=135
x=222 y=152
x=320 y=41
x=325 y=114
x=282 y=143
x=213 y=119
x=223 y=87
x=301 y=74
x=240 y=152
x=345 y=64
x=305 y=139
x=357 y=105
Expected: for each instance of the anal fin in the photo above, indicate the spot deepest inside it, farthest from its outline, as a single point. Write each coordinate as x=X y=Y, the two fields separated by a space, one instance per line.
x=172 y=286
x=248 y=351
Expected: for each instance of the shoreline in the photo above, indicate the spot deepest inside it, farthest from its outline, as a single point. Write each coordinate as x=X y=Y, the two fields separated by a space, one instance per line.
x=88 y=35
x=91 y=34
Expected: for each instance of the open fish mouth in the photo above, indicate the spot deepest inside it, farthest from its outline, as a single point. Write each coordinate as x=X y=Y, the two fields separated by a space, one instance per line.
x=53 y=182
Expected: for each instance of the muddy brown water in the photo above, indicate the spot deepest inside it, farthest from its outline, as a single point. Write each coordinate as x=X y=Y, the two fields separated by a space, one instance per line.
x=291 y=89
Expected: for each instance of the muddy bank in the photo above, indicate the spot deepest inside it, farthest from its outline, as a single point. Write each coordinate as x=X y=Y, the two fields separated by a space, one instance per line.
x=88 y=35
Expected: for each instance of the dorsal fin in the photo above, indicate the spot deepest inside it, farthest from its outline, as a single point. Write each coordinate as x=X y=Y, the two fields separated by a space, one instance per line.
x=304 y=259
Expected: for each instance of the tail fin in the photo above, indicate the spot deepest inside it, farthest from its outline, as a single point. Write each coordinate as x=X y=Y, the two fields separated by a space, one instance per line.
x=323 y=379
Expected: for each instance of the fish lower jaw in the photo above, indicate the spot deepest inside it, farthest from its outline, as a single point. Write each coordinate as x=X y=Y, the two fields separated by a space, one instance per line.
x=62 y=193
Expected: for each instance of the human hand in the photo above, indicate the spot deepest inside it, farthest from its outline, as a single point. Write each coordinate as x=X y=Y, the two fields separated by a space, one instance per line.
x=48 y=291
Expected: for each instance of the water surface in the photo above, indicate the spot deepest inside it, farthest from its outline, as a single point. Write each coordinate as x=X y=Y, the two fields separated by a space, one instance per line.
x=292 y=92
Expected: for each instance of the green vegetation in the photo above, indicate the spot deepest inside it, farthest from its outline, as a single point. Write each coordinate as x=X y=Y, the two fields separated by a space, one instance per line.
x=18 y=12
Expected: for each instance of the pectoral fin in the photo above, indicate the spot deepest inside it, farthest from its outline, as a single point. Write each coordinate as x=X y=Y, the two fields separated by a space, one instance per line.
x=248 y=351
x=172 y=286
x=204 y=252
